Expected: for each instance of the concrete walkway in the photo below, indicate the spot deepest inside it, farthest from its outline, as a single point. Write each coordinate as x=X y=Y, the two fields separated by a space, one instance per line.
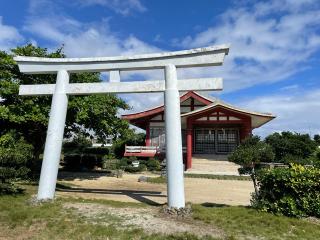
x=213 y=164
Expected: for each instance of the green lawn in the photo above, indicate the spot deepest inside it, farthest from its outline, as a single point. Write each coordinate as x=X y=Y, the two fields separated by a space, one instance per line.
x=207 y=176
x=50 y=221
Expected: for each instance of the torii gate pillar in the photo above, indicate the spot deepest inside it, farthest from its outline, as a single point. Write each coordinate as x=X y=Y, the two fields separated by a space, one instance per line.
x=174 y=159
x=52 y=150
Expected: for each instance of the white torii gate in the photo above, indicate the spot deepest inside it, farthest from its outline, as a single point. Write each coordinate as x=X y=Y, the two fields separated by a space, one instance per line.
x=169 y=61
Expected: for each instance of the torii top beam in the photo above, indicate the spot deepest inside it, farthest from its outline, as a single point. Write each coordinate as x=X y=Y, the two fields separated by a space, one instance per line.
x=198 y=57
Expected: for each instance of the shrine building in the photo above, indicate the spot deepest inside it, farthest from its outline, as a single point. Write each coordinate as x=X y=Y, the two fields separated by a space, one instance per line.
x=209 y=126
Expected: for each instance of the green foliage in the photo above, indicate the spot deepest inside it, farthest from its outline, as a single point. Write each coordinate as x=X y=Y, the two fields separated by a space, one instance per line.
x=316 y=138
x=110 y=164
x=81 y=162
x=14 y=154
x=140 y=168
x=251 y=152
x=131 y=139
x=153 y=165
x=77 y=145
x=291 y=147
x=293 y=191
x=29 y=115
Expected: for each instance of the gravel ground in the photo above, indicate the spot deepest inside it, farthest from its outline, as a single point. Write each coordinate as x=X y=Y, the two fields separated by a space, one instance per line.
x=128 y=189
x=149 y=219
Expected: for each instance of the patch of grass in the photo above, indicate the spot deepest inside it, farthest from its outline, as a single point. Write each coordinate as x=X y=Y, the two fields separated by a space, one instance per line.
x=157 y=180
x=247 y=223
x=162 y=180
x=218 y=177
x=111 y=203
x=52 y=221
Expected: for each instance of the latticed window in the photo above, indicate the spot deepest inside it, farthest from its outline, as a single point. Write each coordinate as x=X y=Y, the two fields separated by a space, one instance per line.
x=157 y=136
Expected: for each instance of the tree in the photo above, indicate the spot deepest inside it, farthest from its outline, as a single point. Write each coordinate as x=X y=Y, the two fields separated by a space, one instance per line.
x=132 y=138
x=249 y=154
x=316 y=138
x=29 y=115
x=14 y=154
x=291 y=147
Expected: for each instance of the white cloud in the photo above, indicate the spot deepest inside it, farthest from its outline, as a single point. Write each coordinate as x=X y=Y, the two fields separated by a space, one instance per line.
x=123 y=7
x=9 y=36
x=96 y=39
x=270 y=41
x=86 y=39
x=296 y=111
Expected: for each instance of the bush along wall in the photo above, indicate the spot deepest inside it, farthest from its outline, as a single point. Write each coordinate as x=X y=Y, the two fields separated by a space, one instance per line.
x=293 y=191
x=84 y=159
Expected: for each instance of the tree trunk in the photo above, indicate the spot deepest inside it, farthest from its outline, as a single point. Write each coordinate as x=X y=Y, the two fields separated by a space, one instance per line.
x=254 y=180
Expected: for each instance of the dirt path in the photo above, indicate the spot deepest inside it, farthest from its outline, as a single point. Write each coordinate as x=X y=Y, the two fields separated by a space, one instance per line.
x=128 y=189
x=148 y=218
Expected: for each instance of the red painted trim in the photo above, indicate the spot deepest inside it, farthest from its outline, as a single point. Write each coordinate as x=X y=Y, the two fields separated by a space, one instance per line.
x=189 y=145
x=218 y=122
x=195 y=96
x=148 y=140
x=143 y=114
x=160 y=109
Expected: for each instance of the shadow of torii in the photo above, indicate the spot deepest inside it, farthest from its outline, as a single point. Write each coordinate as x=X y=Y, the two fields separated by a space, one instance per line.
x=134 y=194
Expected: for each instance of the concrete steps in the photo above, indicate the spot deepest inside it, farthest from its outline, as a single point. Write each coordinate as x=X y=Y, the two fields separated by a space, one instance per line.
x=213 y=164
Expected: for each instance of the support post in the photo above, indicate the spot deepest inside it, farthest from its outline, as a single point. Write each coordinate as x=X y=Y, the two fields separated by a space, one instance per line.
x=189 y=144
x=175 y=181
x=52 y=151
x=148 y=140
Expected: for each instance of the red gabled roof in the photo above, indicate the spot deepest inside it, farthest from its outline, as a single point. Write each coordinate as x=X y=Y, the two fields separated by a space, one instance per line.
x=159 y=109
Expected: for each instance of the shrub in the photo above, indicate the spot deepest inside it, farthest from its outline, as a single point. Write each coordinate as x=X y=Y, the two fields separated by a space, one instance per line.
x=72 y=162
x=80 y=162
x=96 y=150
x=293 y=191
x=132 y=169
x=249 y=154
x=153 y=165
x=110 y=163
x=14 y=155
x=77 y=145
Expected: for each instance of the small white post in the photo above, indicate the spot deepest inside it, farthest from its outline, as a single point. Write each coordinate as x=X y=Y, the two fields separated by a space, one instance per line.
x=52 y=151
x=175 y=181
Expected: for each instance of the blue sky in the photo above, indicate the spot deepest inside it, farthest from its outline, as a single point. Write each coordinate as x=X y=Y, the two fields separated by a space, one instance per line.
x=273 y=64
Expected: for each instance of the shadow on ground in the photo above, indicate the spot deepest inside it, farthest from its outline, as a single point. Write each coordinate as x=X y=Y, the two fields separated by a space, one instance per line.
x=89 y=175
x=138 y=195
x=214 y=205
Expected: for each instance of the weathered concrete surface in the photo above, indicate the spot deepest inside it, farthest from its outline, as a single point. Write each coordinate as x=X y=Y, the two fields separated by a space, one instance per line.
x=207 y=56
x=213 y=164
x=213 y=84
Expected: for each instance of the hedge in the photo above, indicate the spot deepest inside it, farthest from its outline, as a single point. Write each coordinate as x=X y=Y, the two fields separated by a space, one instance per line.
x=293 y=191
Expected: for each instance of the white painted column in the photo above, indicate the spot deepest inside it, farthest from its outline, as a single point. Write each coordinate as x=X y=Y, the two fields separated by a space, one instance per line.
x=52 y=151
x=175 y=181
